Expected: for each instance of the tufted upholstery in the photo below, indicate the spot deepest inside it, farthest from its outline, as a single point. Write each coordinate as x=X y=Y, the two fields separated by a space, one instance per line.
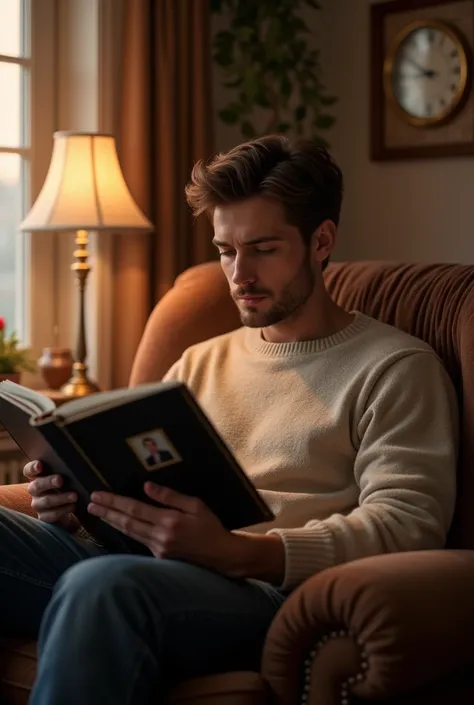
x=392 y=630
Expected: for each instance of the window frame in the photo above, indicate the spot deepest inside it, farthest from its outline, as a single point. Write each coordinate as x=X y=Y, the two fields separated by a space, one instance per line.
x=40 y=261
x=34 y=263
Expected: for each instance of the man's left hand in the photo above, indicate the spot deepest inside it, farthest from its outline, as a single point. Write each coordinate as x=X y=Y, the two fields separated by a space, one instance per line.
x=185 y=528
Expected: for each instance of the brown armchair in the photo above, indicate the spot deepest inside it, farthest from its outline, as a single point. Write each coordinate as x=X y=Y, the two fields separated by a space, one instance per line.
x=395 y=629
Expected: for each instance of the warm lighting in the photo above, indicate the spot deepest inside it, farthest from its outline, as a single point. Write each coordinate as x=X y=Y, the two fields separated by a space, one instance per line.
x=84 y=190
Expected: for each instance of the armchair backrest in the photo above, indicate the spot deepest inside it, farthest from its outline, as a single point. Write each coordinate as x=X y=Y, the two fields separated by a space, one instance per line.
x=433 y=302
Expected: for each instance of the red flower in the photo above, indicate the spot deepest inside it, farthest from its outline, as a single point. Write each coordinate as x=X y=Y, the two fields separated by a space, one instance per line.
x=2 y=323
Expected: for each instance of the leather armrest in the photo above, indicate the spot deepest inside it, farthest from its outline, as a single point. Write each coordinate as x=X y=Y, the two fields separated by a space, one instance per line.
x=397 y=622
x=16 y=497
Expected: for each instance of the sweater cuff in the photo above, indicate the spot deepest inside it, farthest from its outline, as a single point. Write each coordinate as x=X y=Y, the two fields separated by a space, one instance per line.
x=307 y=552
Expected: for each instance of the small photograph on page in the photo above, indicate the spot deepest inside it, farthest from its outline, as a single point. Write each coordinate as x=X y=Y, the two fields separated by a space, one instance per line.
x=154 y=449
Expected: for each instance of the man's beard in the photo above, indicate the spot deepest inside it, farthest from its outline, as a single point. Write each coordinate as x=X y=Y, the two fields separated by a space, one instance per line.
x=292 y=297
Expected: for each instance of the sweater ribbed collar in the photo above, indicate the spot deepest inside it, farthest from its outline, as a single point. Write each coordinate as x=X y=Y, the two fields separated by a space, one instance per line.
x=258 y=345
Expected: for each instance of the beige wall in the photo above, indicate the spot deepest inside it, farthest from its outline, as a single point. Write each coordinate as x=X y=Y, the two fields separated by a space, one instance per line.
x=421 y=210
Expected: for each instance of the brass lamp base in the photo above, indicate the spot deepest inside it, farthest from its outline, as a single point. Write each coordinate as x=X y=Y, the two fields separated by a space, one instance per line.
x=79 y=385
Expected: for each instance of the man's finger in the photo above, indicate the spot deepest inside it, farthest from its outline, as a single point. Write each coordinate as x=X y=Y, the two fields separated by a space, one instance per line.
x=126 y=505
x=44 y=484
x=101 y=501
x=54 y=515
x=49 y=501
x=32 y=469
x=171 y=498
x=124 y=522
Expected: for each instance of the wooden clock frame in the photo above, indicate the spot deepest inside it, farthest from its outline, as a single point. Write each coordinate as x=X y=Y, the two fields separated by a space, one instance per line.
x=379 y=150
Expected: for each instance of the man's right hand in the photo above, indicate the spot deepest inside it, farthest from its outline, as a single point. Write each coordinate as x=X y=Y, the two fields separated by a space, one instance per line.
x=51 y=505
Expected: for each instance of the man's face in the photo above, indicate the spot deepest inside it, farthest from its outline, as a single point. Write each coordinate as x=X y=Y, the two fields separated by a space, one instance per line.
x=151 y=447
x=266 y=263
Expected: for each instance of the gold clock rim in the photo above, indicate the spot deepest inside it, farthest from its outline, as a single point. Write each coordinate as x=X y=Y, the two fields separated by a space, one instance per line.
x=463 y=49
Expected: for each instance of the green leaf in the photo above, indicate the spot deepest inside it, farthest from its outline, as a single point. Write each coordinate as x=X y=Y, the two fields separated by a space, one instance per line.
x=320 y=141
x=324 y=122
x=234 y=83
x=250 y=85
x=261 y=98
x=327 y=99
x=224 y=56
x=298 y=48
x=248 y=129
x=271 y=41
x=244 y=34
x=299 y=25
x=224 y=37
x=229 y=116
x=285 y=86
x=13 y=357
x=245 y=13
x=300 y=113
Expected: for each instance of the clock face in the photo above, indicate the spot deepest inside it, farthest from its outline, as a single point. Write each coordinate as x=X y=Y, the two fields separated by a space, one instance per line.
x=428 y=73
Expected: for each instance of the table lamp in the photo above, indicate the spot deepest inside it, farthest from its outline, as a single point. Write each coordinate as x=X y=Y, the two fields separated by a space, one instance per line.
x=84 y=190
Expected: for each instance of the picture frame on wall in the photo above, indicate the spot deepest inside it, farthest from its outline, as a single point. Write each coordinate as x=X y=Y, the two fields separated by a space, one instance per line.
x=421 y=79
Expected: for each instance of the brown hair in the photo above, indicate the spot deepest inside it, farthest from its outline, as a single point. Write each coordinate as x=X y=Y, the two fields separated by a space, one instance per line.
x=302 y=176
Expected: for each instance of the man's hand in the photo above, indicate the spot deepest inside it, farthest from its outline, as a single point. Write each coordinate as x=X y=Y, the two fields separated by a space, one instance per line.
x=187 y=530
x=47 y=500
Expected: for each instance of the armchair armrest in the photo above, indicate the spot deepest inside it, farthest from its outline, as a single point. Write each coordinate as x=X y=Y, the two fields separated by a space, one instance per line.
x=16 y=497
x=377 y=627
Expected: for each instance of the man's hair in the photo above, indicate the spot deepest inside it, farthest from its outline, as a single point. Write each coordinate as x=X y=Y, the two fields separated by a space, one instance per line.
x=148 y=440
x=300 y=175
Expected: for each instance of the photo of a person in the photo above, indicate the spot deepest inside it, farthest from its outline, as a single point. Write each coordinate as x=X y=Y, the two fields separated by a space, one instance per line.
x=156 y=455
x=154 y=449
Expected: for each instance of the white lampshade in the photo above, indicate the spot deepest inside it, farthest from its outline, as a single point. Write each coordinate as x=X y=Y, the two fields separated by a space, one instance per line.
x=85 y=188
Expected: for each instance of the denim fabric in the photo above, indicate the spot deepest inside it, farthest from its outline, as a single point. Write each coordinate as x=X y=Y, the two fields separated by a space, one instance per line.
x=118 y=629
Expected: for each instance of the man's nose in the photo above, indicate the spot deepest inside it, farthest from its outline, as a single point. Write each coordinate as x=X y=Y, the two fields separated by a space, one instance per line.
x=243 y=271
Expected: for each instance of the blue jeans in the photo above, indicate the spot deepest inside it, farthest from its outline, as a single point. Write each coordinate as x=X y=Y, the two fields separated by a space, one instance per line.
x=119 y=629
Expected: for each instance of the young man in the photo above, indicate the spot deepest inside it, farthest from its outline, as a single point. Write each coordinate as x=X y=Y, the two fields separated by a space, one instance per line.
x=155 y=455
x=347 y=426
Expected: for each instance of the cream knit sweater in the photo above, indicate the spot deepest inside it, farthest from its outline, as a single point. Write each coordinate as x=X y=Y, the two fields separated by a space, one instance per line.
x=351 y=439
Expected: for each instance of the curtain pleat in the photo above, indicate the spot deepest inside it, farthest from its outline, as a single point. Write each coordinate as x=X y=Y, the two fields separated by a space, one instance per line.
x=165 y=126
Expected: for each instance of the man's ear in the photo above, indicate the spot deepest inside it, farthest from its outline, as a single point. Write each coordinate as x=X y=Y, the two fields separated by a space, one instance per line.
x=323 y=240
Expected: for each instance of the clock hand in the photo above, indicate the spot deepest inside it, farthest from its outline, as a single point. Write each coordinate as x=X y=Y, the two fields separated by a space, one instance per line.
x=429 y=73
x=415 y=64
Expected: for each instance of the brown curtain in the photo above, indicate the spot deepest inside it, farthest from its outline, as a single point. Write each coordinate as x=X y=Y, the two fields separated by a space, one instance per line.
x=165 y=126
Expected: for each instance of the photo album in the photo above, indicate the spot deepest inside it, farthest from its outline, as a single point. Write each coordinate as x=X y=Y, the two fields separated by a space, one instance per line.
x=117 y=440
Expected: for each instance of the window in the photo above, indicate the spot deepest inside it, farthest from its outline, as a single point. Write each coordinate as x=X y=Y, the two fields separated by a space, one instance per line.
x=15 y=141
x=28 y=84
x=53 y=49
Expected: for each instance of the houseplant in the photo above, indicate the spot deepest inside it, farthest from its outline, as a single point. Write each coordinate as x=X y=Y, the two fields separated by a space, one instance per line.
x=272 y=68
x=13 y=358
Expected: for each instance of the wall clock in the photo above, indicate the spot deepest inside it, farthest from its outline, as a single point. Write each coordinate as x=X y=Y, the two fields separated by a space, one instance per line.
x=422 y=102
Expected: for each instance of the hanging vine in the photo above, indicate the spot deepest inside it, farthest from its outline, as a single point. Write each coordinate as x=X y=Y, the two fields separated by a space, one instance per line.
x=271 y=65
